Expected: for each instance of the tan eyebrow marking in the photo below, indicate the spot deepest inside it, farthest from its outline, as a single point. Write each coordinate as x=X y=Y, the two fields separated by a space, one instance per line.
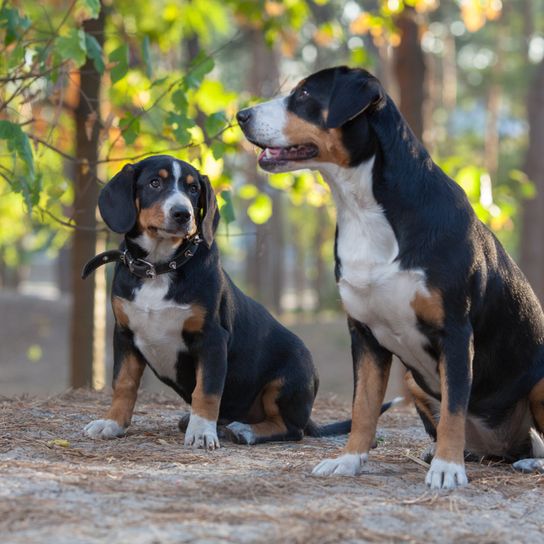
x=190 y=179
x=163 y=173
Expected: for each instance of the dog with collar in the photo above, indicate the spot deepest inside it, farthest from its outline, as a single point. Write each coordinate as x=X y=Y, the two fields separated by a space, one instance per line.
x=419 y=276
x=179 y=313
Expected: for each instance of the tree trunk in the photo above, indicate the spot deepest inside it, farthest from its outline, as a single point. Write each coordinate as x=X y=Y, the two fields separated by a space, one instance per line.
x=409 y=67
x=532 y=236
x=87 y=121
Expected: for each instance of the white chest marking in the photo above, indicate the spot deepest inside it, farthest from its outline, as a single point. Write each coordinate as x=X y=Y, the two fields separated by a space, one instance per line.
x=157 y=325
x=373 y=288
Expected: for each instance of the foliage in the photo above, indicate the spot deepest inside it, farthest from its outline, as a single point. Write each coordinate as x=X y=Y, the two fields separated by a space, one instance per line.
x=173 y=79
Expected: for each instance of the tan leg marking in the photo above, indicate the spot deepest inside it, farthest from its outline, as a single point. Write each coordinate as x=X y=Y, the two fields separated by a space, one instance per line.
x=536 y=402
x=202 y=404
x=118 y=311
x=273 y=423
x=196 y=321
x=429 y=309
x=125 y=391
x=450 y=435
x=369 y=394
x=329 y=142
x=421 y=399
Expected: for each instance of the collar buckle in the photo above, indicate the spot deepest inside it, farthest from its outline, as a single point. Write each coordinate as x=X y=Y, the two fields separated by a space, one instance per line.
x=139 y=267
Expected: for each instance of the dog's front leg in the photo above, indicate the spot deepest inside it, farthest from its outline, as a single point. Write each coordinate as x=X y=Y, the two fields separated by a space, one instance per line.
x=211 y=371
x=127 y=373
x=455 y=366
x=371 y=365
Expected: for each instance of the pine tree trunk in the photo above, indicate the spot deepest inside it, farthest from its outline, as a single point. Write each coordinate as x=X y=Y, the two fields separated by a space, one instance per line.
x=409 y=67
x=532 y=237
x=87 y=121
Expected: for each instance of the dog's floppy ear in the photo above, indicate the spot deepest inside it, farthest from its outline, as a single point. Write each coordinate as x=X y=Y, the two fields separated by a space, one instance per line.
x=209 y=210
x=116 y=201
x=353 y=91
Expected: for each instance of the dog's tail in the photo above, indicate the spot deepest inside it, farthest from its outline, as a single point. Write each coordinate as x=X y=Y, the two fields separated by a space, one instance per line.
x=342 y=427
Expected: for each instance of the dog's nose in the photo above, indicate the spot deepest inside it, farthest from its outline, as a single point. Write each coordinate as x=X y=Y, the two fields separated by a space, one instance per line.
x=180 y=214
x=243 y=116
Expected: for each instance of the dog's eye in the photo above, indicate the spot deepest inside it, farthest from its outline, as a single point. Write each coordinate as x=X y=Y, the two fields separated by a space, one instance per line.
x=193 y=189
x=303 y=94
x=155 y=183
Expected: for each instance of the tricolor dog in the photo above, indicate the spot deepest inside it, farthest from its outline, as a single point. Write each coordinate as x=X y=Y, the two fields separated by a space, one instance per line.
x=419 y=276
x=179 y=313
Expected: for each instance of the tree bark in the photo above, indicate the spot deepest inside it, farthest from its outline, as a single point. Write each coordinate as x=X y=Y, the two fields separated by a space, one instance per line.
x=87 y=122
x=409 y=67
x=532 y=236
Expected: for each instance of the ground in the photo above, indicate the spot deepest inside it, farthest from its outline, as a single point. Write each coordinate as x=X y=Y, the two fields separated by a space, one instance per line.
x=59 y=486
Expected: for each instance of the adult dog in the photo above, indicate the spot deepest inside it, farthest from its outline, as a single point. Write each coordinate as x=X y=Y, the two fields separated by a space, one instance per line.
x=419 y=276
x=178 y=312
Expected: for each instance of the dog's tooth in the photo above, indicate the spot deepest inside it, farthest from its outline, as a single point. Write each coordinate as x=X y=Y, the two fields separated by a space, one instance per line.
x=267 y=153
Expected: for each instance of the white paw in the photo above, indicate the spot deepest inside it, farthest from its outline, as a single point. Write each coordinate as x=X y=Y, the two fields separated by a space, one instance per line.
x=349 y=464
x=241 y=433
x=104 y=428
x=201 y=433
x=529 y=465
x=445 y=475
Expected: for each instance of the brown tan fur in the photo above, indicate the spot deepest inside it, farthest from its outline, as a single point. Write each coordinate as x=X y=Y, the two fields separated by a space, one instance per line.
x=196 y=321
x=118 y=311
x=163 y=173
x=329 y=142
x=202 y=403
x=273 y=423
x=536 y=402
x=450 y=432
x=429 y=309
x=190 y=179
x=369 y=394
x=125 y=391
x=151 y=217
x=421 y=399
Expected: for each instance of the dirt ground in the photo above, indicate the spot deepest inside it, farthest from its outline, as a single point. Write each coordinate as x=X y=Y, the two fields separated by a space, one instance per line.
x=58 y=486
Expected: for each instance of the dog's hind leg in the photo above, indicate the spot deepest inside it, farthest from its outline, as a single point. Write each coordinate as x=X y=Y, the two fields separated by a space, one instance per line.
x=285 y=411
x=536 y=403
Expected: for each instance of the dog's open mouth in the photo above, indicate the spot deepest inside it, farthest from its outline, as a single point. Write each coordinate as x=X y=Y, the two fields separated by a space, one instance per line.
x=271 y=157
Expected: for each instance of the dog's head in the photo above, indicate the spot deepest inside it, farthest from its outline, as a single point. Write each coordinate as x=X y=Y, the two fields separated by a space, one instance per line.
x=162 y=197
x=323 y=120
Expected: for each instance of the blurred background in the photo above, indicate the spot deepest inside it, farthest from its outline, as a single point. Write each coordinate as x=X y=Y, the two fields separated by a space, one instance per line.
x=89 y=85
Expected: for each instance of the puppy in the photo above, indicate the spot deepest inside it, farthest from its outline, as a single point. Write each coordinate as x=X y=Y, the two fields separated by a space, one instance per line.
x=179 y=313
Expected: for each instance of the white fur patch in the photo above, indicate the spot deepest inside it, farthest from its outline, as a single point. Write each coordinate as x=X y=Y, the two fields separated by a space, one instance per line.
x=445 y=475
x=176 y=170
x=269 y=119
x=373 y=288
x=157 y=324
x=243 y=432
x=201 y=433
x=104 y=428
x=349 y=464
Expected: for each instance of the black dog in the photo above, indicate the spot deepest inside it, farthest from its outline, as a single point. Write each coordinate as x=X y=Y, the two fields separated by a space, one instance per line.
x=419 y=275
x=177 y=311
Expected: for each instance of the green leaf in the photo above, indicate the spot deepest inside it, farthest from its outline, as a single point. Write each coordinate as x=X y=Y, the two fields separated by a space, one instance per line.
x=218 y=149
x=94 y=51
x=14 y=24
x=130 y=127
x=180 y=125
x=18 y=143
x=214 y=123
x=260 y=209
x=146 y=55
x=201 y=65
x=179 y=99
x=227 y=210
x=92 y=8
x=73 y=46
x=120 y=57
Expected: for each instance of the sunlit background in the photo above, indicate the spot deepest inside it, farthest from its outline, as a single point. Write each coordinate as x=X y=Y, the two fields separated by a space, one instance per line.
x=89 y=86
